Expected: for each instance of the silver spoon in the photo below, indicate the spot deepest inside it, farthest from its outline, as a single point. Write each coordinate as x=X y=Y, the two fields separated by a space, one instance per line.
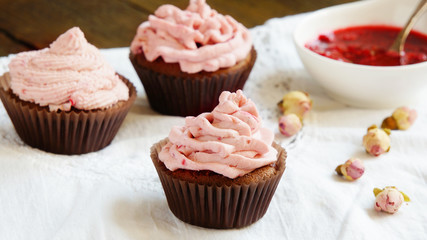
x=399 y=42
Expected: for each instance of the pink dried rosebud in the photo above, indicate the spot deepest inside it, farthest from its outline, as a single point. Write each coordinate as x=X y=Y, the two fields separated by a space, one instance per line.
x=289 y=124
x=377 y=141
x=352 y=169
x=401 y=119
x=296 y=102
x=404 y=117
x=389 y=199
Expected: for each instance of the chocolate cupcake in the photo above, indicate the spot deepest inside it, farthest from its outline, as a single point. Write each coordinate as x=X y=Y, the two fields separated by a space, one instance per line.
x=65 y=99
x=186 y=58
x=222 y=168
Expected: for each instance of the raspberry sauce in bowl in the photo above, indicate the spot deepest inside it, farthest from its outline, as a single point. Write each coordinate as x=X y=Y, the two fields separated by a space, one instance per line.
x=369 y=45
x=342 y=70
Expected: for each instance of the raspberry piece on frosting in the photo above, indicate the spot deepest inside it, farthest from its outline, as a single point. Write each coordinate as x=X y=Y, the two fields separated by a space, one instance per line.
x=352 y=169
x=376 y=141
x=389 y=199
x=289 y=124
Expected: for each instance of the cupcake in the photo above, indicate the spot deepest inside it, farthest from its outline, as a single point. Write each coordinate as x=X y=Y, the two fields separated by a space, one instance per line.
x=221 y=169
x=65 y=98
x=186 y=58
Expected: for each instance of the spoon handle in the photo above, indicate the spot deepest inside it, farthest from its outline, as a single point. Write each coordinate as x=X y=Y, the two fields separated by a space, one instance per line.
x=399 y=42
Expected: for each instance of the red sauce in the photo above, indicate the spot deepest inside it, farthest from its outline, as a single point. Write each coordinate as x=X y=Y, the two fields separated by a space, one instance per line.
x=368 y=45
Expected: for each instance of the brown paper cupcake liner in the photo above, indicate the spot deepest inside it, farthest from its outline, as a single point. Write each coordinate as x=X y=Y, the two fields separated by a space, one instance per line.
x=188 y=94
x=73 y=132
x=214 y=206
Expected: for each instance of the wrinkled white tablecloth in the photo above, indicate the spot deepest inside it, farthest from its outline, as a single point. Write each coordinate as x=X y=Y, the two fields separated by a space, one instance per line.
x=115 y=193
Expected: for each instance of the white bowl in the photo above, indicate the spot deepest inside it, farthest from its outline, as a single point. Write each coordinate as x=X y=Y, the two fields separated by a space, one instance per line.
x=361 y=85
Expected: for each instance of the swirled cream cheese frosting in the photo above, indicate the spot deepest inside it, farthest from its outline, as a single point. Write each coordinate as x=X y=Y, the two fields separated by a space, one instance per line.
x=198 y=38
x=229 y=140
x=70 y=72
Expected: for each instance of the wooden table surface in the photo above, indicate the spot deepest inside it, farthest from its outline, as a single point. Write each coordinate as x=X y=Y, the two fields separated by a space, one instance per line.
x=34 y=24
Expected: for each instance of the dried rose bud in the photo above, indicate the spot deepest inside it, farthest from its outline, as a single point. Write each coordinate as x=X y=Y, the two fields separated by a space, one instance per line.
x=289 y=124
x=296 y=102
x=401 y=119
x=389 y=199
x=377 y=140
x=404 y=117
x=352 y=169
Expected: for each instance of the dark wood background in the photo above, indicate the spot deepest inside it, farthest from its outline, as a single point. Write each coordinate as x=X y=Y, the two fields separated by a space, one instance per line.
x=34 y=24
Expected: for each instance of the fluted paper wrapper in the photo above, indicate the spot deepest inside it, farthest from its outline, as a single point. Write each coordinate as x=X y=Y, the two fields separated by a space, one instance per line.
x=73 y=132
x=212 y=206
x=189 y=94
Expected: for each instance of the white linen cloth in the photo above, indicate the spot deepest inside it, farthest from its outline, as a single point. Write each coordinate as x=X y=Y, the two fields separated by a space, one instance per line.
x=115 y=193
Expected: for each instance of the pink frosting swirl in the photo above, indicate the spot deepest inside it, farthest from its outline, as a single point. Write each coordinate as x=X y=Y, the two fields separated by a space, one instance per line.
x=197 y=38
x=229 y=140
x=71 y=72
